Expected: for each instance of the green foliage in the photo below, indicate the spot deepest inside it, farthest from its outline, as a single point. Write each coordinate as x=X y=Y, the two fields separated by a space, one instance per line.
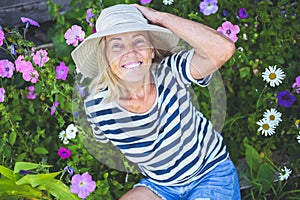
x=32 y=186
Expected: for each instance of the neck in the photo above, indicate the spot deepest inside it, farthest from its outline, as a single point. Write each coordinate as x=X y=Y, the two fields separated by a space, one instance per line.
x=138 y=90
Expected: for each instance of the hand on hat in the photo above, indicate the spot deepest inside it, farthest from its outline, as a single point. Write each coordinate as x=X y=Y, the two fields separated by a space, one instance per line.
x=150 y=14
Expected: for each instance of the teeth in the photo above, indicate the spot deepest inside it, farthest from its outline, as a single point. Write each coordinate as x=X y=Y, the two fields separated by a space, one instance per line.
x=133 y=65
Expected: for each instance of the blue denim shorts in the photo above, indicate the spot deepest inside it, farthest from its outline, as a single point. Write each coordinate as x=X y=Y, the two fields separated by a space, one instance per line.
x=220 y=183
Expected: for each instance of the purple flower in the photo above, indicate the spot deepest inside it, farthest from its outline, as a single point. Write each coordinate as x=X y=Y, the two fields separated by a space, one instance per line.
x=225 y=13
x=297 y=85
x=62 y=71
x=229 y=30
x=22 y=65
x=81 y=90
x=2 y=37
x=31 y=93
x=285 y=98
x=13 y=49
x=70 y=170
x=6 y=68
x=208 y=7
x=243 y=13
x=53 y=107
x=82 y=185
x=29 y=21
x=2 y=92
x=145 y=1
x=90 y=17
x=24 y=172
x=74 y=34
x=64 y=153
x=40 y=57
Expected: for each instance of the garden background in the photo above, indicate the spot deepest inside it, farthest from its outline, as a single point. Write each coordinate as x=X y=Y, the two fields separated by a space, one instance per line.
x=42 y=143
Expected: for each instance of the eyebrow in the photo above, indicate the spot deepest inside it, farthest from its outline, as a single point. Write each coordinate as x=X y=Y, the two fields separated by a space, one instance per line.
x=118 y=38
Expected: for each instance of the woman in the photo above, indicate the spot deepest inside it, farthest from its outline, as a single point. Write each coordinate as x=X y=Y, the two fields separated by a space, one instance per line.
x=140 y=101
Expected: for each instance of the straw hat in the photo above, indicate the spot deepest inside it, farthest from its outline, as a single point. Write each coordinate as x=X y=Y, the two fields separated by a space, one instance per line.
x=117 y=19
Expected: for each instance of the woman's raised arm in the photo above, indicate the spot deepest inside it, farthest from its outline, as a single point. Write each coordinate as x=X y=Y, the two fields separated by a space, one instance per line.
x=212 y=49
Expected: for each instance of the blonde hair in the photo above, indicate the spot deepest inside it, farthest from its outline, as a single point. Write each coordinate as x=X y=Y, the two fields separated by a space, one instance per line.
x=106 y=79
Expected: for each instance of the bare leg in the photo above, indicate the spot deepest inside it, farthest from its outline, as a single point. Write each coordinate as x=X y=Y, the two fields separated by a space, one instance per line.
x=140 y=193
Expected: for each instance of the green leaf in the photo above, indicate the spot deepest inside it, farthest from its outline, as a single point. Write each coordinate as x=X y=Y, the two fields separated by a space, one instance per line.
x=40 y=150
x=21 y=157
x=265 y=176
x=37 y=179
x=27 y=166
x=12 y=138
x=62 y=193
x=9 y=190
x=245 y=73
x=252 y=157
x=8 y=173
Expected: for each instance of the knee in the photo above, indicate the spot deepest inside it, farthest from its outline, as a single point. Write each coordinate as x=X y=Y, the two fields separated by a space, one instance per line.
x=140 y=193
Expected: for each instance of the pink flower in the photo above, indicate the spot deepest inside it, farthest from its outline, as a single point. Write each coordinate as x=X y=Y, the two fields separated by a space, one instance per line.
x=62 y=71
x=145 y=1
x=31 y=75
x=2 y=37
x=40 y=57
x=297 y=85
x=2 y=92
x=6 y=68
x=229 y=30
x=53 y=107
x=74 y=34
x=64 y=153
x=31 y=93
x=82 y=185
x=22 y=65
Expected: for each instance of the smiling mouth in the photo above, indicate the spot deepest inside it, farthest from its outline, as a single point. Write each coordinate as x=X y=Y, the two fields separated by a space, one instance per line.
x=132 y=65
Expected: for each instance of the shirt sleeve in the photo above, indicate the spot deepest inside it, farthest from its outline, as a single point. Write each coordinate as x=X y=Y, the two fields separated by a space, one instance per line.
x=181 y=65
x=98 y=134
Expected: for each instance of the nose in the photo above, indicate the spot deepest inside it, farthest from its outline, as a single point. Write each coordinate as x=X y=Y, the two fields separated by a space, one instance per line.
x=130 y=51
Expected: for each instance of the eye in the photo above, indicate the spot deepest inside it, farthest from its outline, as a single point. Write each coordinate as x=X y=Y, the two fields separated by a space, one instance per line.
x=139 y=42
x=116 y=47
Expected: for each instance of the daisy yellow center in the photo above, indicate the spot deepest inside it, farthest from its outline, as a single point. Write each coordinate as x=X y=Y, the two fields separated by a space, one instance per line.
x=272 y=76
x=272 y=117
x=265 y=126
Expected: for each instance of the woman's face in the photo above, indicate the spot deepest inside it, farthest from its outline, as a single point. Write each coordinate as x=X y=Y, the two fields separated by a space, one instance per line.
x=130 y=55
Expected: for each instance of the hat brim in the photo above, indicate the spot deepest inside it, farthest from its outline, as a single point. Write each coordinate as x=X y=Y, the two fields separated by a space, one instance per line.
x=85 y=54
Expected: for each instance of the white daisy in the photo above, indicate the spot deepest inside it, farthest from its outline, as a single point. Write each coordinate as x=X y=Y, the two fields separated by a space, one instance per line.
x=273 y=76
x=66 y=141
x=71 y=131
x=168 y=2
x=298 y=138
x=63 y=136
x=285 y=173
x=273 y=115
x=267 y=128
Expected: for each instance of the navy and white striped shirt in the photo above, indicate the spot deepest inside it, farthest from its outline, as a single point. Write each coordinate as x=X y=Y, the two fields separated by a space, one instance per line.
x=172 y=143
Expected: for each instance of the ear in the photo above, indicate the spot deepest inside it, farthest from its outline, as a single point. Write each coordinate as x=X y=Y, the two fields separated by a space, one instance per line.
x=152 y=53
